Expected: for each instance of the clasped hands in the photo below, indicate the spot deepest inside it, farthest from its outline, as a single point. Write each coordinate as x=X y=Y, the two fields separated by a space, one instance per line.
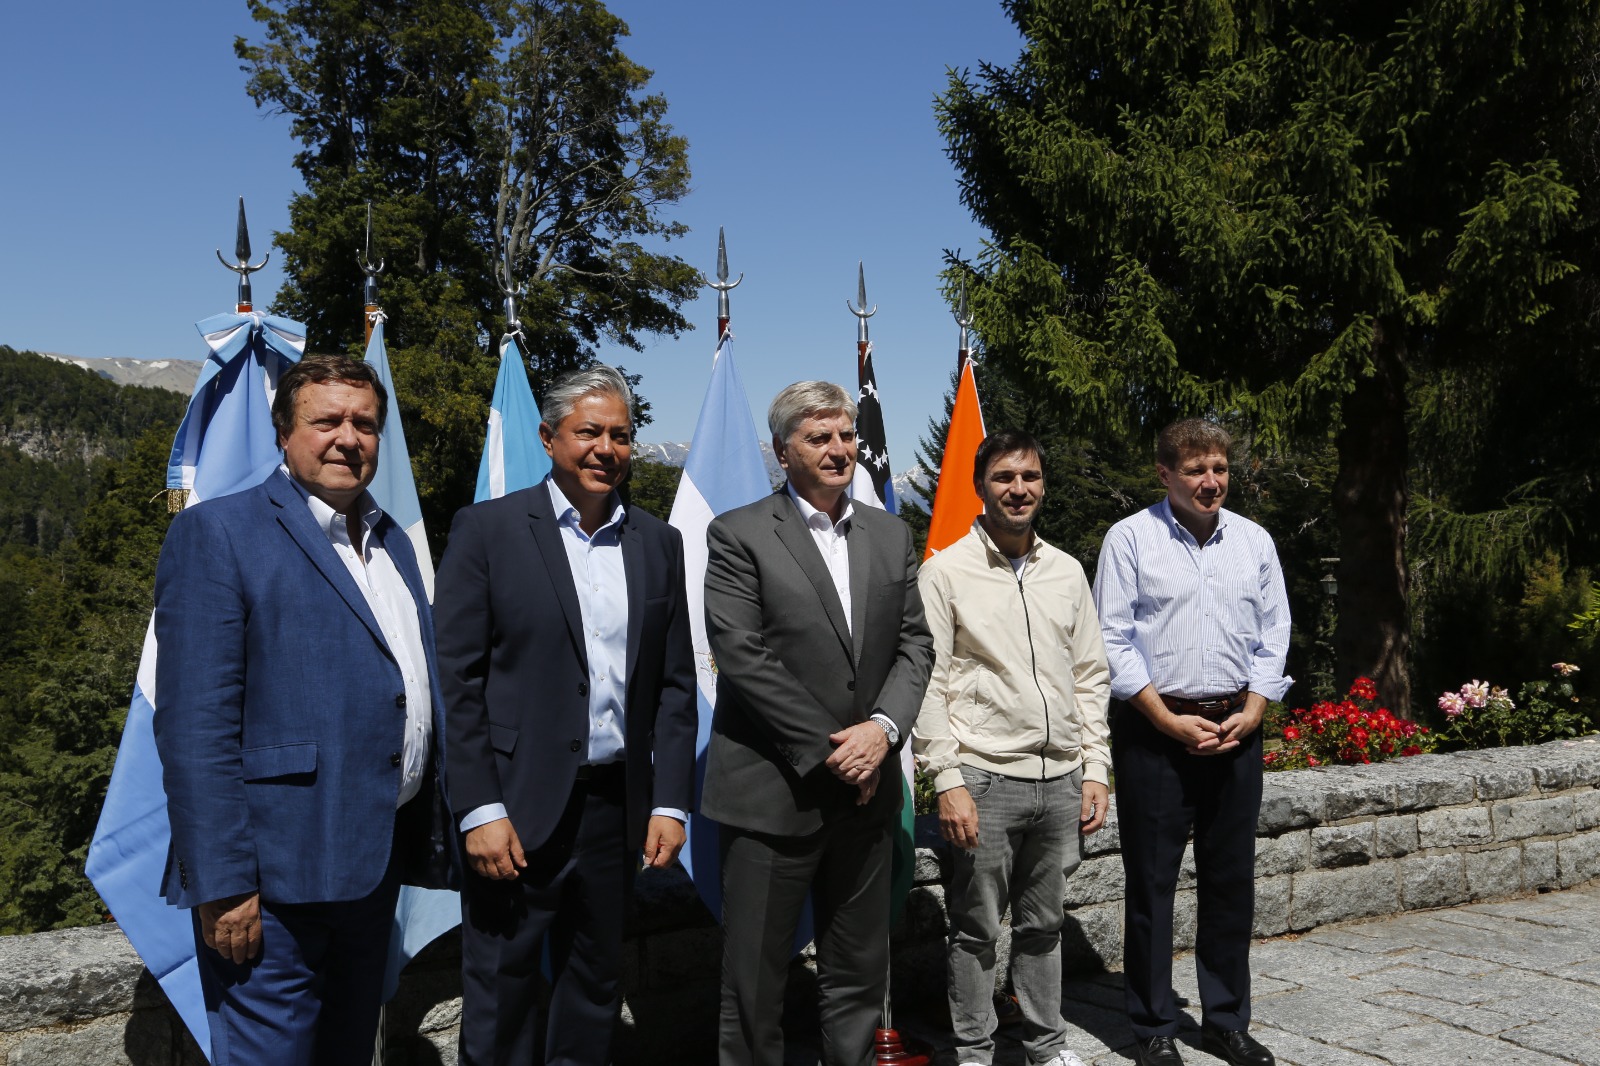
x=1202 y=736
x=858 y=756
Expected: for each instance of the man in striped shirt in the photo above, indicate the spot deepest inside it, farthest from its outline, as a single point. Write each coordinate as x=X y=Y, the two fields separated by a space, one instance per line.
x=1196 y=624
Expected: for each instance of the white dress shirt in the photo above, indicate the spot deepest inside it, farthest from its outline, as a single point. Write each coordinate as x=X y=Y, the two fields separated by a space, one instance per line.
x=395 y=609
x=1196 y=622
x=833 y=541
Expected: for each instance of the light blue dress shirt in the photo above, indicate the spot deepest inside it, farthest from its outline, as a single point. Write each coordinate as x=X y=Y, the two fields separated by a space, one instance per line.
x=601 y=580
x=1196 y=622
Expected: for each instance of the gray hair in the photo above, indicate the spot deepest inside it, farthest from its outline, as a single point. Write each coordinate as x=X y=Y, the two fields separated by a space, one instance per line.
x=573 y=386
x=802 y=400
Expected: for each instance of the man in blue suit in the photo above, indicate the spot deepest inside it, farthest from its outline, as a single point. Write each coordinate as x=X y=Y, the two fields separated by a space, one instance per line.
x=569 y=677
x=298 y=727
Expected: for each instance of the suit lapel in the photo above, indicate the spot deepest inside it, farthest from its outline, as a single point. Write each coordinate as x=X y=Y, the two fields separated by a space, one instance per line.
x=797 y=538
x=860 y=567
x=547 y=537
x=633 y=571
x=295 y=518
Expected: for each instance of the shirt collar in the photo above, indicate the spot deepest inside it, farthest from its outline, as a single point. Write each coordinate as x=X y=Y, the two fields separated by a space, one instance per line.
x=328 y=520
x=988 y=543
x=810 y=513
x=1164 y=508
x=568 y=515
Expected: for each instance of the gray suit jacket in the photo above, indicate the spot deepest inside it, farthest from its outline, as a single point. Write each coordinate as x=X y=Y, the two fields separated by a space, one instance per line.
x=790 y=671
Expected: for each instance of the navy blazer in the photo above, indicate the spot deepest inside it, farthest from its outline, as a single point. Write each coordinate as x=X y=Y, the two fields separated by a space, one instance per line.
x=516 y=673
x=280 y=711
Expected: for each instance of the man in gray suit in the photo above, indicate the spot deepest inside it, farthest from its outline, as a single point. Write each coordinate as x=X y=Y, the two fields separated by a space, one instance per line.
x=822 y=654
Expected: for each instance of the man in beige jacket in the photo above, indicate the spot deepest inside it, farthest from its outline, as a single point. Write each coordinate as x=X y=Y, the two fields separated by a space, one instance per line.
x=1013 y=732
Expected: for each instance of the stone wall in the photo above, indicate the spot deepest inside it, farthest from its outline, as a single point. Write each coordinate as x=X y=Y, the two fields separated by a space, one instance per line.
x=1333 y=845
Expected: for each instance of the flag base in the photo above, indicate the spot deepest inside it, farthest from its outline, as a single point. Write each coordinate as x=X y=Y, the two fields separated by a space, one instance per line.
x=889 y=1051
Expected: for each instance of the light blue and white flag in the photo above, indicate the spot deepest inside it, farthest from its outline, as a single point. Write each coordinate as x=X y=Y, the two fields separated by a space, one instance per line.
x=513 y=457
x=724 y=470
x=422 y=914
x=225 y=444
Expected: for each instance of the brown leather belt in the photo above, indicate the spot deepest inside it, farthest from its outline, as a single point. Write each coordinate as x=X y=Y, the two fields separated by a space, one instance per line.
x=1216 y=708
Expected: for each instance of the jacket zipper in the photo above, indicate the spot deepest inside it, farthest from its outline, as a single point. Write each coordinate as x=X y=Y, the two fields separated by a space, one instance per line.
x=1033 y=665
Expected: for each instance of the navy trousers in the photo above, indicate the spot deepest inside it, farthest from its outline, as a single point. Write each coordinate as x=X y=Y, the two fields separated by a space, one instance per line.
x=1162 y=793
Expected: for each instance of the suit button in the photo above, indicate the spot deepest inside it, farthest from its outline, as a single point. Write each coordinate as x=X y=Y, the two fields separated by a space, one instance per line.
x=394 y=758
x=851 y=685
x=583 y=688
x=400 y=700
x=575 y=745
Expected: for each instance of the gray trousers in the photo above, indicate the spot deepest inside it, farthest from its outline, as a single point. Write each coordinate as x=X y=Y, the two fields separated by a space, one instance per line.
x=1028 y=843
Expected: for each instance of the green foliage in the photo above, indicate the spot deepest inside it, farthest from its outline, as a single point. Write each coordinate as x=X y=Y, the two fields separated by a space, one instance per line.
x=653 y=486
x=480 y=131
x=1272 y=214
x=1478 y=715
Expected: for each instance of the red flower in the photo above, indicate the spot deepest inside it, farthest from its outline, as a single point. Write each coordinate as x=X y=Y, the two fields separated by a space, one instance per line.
x=1358 y=737
x=1363 y=688
x=1291 y=733
x=1410 y=749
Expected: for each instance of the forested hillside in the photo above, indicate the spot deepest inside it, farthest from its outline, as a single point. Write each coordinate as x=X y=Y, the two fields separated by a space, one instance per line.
x=82 y=514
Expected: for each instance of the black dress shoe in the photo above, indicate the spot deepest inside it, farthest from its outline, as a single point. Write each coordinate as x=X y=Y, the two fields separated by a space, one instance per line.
x=1158 y=1051
x=1239 y=1048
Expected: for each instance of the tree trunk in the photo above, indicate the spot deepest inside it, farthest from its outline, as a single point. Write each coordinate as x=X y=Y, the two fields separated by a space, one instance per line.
x=1372 y=637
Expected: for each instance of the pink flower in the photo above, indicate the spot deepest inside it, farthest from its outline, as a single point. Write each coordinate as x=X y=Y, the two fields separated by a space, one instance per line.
x=1564 y=669
x=1476 y=693
x=1452 y=704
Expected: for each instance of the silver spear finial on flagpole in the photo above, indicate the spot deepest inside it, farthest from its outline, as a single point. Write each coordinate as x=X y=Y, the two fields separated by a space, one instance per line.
x=511 y=291
x=369 y=291
x=860 y=311
x=241 y=250
x=964 y=320
x=723 y=286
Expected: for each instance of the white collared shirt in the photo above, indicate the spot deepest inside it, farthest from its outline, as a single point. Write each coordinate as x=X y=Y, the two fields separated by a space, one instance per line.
x=833 y=541
x=395 y=609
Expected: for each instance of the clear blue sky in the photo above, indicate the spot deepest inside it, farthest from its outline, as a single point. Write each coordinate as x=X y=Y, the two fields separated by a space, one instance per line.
x=811 y=137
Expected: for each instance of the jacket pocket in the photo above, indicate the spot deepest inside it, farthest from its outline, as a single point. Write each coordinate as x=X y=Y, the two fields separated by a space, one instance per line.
x=502 y=738
x=278 y=760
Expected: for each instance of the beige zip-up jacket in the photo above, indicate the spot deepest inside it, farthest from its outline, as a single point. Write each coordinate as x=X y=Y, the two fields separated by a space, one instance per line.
x=1020 y=685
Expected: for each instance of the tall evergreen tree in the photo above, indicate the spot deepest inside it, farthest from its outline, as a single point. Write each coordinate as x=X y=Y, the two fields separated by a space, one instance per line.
x=481 y=131
x=1290 y=216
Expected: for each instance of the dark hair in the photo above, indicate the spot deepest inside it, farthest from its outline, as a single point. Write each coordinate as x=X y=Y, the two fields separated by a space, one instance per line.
x=1192 y=436
x=1003 y=442
x=320 y=370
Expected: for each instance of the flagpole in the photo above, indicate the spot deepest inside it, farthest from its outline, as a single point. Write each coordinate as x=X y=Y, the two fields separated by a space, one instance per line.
x=241 y=251
x=723 y=287
x=963 y=320
x=369 y=290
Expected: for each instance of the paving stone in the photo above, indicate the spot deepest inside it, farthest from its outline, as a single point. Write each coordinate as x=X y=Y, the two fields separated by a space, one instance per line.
x=1540 y=866
x=1433 y=1042
x=1318 y=897
x=1396 y=836
x=1096 y=880
x=1285 y=853
x=1432 y=881
x=1292 y=1049
x=1519 y=819
x=1578 y=858
x=1485 y=1021
x=1342 y=845
x=1444 y=962
x=1272 y=906
x=1317 y=1014
x=1586 y=809
x=1453 y=827
x=1582 y=1048
x=1494 y=873
x=1509 y=946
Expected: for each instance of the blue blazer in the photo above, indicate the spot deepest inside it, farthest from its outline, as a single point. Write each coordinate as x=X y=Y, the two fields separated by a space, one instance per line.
x=280 y=711
x=516 y=671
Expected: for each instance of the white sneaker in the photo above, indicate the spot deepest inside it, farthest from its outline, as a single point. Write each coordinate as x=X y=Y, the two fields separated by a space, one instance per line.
x=1066 y=1057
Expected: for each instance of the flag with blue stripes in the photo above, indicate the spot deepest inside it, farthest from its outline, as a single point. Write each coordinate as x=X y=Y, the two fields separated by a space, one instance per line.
x=225 y=444
x=422 y=915
x=513 y=457
x=724 y=470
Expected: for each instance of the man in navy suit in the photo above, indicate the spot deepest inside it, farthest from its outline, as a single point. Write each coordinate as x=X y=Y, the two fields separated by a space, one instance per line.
x=569 y=680
x=298 y=728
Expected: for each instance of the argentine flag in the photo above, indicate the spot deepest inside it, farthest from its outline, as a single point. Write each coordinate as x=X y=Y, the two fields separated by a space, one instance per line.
x=724 y=470
x=422 y=914
x=513 y=457
x=226 y=443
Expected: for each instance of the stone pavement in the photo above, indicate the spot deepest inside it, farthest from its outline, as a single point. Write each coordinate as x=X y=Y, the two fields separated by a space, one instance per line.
x=1510 y=983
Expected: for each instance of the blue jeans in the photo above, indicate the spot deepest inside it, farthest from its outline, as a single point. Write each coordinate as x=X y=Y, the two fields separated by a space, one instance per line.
x=1028 y=843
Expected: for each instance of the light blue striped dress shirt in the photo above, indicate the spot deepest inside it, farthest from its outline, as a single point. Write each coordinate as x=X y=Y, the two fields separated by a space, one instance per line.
x=1195 y=622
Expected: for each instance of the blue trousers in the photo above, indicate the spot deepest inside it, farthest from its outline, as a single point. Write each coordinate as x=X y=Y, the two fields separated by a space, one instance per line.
x=312 y=995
